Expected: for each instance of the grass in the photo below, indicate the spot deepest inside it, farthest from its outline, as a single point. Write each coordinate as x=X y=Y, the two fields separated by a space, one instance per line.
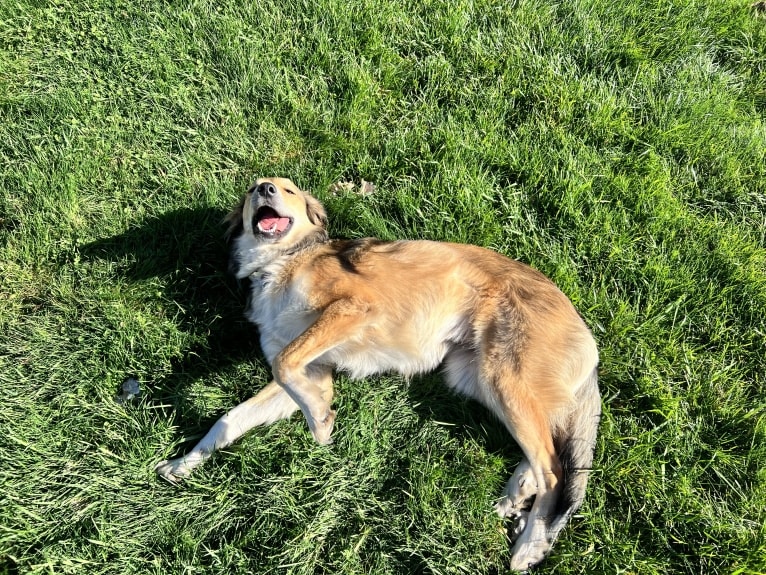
x=618 y=147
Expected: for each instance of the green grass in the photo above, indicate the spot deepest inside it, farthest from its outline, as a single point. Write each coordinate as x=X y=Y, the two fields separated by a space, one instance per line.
x=619 y=147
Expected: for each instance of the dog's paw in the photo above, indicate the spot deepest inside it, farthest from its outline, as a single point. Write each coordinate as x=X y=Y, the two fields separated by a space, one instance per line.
x=322 y=433
x=519 y=524
x=524 y=559
x=531 y=545
x=173 y=470
x=508 y=507
x=504 y=507
x=519 y=492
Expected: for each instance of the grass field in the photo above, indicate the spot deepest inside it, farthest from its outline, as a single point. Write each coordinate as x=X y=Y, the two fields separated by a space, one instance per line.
x=619 y=147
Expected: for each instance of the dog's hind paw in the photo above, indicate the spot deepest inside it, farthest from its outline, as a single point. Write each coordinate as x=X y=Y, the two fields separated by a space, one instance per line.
x=532 y=545
x=524 y=560
x=519 y=492
x=506 y=507
x=519 y=523
x=173 y=470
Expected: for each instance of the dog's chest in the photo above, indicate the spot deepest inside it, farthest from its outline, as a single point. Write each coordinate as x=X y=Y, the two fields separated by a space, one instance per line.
x=280 y=310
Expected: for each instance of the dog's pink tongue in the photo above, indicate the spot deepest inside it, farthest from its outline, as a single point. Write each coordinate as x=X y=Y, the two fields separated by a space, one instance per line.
x=268 y=222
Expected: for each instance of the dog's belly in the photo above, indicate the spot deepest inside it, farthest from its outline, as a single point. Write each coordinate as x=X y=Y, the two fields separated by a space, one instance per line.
x=360 y=360
x=409 y=348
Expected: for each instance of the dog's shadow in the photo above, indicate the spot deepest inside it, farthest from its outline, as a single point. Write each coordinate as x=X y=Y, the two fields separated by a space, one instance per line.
x=184 y=253
x=465 y=418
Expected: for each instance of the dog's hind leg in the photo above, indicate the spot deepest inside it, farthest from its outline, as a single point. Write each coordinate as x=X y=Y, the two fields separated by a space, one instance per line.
x=527 y=420
x=462 y=375
x=268 y=406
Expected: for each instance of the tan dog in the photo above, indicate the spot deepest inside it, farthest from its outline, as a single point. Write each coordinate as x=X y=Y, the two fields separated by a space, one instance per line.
x=504 y=334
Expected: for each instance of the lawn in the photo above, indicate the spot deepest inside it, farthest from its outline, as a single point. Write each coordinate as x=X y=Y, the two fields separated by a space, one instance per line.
x=618 y=147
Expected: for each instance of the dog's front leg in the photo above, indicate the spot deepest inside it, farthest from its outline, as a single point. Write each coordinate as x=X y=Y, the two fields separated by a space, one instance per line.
x=308 y=382
x=313 y=394
x=268 y=406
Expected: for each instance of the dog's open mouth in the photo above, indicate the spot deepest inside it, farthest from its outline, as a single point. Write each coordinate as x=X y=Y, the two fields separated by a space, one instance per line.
x=269 y=223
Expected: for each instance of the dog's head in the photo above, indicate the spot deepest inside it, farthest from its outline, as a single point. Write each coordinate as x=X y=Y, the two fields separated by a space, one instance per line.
x=273 y=218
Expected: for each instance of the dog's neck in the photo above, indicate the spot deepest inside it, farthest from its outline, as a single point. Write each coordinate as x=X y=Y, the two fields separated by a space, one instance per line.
x=253 y=256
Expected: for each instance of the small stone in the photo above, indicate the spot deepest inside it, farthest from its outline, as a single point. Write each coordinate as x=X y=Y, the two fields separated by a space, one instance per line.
x=130 y=390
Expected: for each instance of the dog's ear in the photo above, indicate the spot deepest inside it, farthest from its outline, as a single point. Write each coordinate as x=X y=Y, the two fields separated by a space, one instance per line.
x=315 y=211
x=233 y=220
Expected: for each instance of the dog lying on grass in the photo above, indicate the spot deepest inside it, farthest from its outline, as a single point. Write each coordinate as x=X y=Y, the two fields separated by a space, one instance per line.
x=503 y=333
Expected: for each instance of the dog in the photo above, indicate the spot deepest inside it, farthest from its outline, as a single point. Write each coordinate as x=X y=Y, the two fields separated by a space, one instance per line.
x=503 y=333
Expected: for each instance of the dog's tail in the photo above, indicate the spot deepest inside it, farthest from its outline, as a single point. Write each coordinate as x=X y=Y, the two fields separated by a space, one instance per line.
x=575 y=445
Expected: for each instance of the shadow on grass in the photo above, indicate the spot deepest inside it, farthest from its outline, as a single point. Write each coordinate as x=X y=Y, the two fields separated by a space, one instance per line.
x=185 y=251
x=434 y=401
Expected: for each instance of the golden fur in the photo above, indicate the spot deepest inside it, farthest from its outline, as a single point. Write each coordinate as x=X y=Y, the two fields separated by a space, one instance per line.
x=503 y=333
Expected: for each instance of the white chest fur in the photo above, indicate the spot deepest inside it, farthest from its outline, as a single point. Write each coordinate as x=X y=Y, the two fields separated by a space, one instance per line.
x=280 y=311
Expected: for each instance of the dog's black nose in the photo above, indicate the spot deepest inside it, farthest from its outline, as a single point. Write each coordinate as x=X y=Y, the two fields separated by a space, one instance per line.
x=266 y=189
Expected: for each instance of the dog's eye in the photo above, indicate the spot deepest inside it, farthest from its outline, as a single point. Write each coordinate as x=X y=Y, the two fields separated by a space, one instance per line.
x=289 y=191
